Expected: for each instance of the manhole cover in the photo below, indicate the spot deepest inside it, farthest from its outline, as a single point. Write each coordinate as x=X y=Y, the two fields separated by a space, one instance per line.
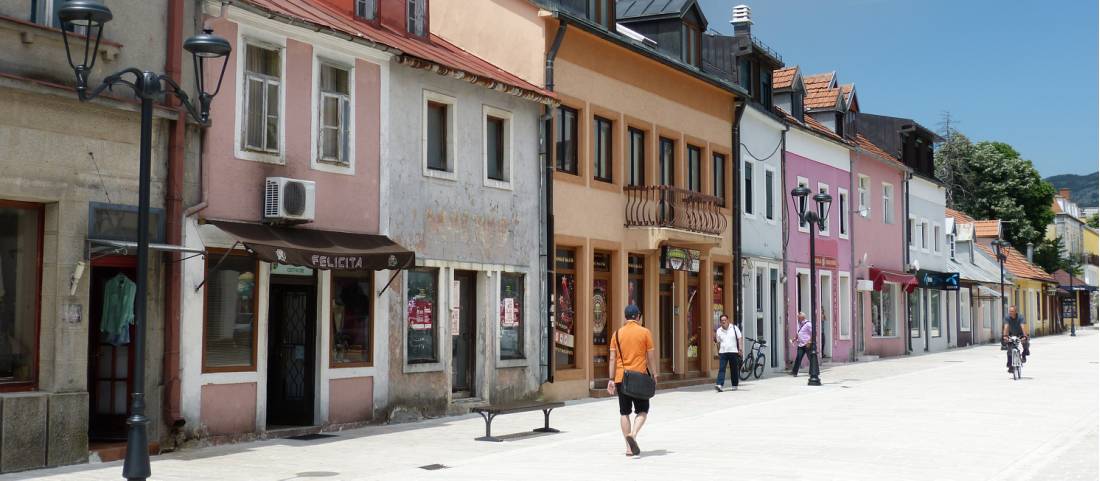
x=311 y=437
x=434 y=467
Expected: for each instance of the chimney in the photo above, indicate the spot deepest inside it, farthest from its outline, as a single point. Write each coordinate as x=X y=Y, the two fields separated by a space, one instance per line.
x=1064 y=193
x=1030 y=251
x=742 y=21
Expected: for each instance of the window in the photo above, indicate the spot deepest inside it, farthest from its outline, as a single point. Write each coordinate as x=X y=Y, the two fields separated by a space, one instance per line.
x=602 y=299
x=689 y=44
x=635 y=281
x=796 y=104
x=951 y=245
x=366 y=9
x=667 y=166
x=718 y=178
x=21 y=227
x=335 y=115
x=230 y=331
x=564 y=320
x=636 y=175
x=748 y=194
x=566 y=140
x=916 y=301
x=823 y=189
x=936 y=238
x=498 y=146
x=601 y=158
x=769 y=194
x=744 y=73
x=352 y=325
x=924 y=235
x=261 y=100
x=511 y=316
x=934 y=312
x=765 y=88
x=416 y=16
x=964 y=313
x=694 y=168
x=865 y=195
x=884 y=311
x=840 y=123
x=438 y=138
x=422 y=306
x=842 y=211
x=844 y=292
x=911 y=236
x=887 y=203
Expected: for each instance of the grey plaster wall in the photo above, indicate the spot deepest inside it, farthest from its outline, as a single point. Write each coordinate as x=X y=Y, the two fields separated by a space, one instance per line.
x=761 y=136
x=927 y=201
x=461 y=223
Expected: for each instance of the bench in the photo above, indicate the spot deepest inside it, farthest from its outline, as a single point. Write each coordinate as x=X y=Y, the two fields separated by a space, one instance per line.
x=489 y=412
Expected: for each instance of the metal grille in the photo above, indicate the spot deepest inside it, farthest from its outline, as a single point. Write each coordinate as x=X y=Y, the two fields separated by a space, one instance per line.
x=294 y=335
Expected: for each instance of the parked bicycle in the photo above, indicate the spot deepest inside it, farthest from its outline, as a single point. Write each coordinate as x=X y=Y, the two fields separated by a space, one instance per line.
x=1016 y=348
x=753 y=362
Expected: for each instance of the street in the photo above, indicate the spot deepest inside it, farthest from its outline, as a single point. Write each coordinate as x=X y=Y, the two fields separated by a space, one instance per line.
x=945 y=416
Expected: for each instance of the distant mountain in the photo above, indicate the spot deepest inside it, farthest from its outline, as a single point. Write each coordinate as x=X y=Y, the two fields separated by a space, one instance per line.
x=1083 y=188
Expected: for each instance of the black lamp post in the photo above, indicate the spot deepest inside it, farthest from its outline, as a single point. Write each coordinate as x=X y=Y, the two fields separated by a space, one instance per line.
x=816 y=220
x=1000 y=246
x=88 y=18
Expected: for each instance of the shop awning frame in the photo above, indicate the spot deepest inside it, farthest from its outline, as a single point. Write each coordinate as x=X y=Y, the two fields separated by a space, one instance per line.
x=984 y=291
x=98 y=248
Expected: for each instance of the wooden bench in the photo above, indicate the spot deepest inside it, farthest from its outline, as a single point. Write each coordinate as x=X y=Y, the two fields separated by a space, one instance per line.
x=489 y=412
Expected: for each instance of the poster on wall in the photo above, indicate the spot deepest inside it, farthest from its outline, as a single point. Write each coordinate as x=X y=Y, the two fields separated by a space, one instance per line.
x=420 y=312
x=680 y=259
x=509 y=315
x=456 y=324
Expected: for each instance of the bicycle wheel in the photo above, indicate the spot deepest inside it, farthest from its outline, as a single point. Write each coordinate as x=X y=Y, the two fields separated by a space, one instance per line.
x=1017 y=374
x=746 y=368
x=758 y=369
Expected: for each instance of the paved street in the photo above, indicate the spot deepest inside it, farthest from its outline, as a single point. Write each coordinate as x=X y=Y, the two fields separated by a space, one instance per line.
x=946 y=416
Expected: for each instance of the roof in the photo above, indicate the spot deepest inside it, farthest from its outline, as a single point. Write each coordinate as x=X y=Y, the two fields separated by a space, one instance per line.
x=959 y=217
x=783 y=78
x=818 y=127
x=987 y=228
x=627 y=9
x=849 y=92
x=1018 y=265
x=822 y=99
x=865 y=144
x=820 y=81
x=1064 y=279
x=414 y=52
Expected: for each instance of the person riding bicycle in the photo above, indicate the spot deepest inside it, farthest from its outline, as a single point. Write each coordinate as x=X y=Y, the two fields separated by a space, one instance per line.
x=1014 y=325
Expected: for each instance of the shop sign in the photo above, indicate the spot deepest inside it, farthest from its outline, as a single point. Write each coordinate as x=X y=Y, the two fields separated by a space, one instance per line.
x=680 y=259
x=825 y=262
x=947 y=281
x=1069 y=309
x=289 y=270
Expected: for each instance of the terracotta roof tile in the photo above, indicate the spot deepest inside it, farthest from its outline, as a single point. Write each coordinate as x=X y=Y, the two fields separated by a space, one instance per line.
x=783 y=78
x=865 y=144
x=821 y=99
x=822 y=129
x=1017 y=264
x=436 y=50
x=1063 y=278
x=820 y=81
x=959 y=217
x=987 y=228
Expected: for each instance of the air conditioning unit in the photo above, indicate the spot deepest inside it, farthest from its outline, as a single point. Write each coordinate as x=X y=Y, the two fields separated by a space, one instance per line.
x=289 y=201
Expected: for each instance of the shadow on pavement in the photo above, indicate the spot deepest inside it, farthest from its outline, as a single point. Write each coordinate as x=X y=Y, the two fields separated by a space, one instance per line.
x=654 y=453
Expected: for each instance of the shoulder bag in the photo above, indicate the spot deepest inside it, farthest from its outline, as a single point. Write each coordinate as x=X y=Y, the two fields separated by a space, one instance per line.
x=638 y=385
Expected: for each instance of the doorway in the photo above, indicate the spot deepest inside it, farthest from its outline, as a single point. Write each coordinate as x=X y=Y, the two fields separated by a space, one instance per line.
x=110 y=358
x=668 y=320
x=825 y=313
x=694 y=329
x=292 y=352
x=601 y=315
x=464 y=342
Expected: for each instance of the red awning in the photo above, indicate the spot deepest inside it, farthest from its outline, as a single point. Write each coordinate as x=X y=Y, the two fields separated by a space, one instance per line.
x=907 y=281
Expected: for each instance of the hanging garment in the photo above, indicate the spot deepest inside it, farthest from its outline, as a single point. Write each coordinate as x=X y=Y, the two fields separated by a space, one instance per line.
x=118 y=309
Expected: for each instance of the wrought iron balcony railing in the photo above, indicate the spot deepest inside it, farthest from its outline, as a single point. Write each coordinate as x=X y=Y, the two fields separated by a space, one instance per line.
x=668 y=206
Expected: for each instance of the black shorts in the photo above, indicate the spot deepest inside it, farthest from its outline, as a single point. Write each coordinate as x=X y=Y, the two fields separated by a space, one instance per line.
x=625 y=402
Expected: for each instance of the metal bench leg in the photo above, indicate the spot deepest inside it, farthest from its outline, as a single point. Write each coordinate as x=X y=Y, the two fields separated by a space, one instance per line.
x=488 y=417
x=546 y=427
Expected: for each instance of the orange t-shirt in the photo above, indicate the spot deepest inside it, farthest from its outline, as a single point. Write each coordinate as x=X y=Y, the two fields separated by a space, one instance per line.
x=636 y=342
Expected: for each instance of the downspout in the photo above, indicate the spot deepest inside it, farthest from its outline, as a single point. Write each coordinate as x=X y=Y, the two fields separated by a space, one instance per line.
x=905 y=248
x=548 y=202
x=856 y=338
x=173 y=203
x=785 y=236
x=735 y=139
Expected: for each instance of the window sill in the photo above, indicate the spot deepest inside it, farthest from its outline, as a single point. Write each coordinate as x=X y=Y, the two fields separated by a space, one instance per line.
x=231 y=369
x=349 y=365
x=18 y=387
x=895 y=336
x=333 y=167
x=262 y=157
x=498 y=184
x=562 y=176
x=511 y=363
x=422 y=367
x=440 y=174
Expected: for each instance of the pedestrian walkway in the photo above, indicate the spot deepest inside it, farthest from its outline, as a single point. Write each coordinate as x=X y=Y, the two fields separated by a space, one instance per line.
x=944 y=416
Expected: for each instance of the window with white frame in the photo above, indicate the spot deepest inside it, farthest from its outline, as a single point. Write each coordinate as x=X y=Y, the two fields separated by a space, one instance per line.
x=884 y=311
x=366 y=9
x=438 y=135
x=262 y=72
x=910 y=232
x=888 y=203
x=497 y=146
x=842 y=210
x=844 y=292
x=864 y=195
x=823 y=189
x=924 y=235
x=934 y=313
x=416 y=15
x=748 y=192
x=769 y=194
x=333 y=137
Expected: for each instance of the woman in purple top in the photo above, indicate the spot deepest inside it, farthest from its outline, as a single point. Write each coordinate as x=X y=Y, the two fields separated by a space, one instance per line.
x=805 y=333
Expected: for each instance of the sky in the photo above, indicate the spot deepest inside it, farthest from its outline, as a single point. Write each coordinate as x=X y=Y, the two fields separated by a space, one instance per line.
x=1024 y=73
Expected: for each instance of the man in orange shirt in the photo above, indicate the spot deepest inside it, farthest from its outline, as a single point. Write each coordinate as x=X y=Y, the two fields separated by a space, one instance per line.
x=631 y=348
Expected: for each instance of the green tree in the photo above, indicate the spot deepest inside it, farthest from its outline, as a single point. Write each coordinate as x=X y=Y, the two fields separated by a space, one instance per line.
x=1094 y=221
x=1048 y=255
x=952 y=160
x=997 y=184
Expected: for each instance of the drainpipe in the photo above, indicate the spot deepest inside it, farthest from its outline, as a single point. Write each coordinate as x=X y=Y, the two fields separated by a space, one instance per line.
x=735 y=139
x=173 y=203
x=905 y=249
x=548 y=202
x=856 y=338
x=786 y=237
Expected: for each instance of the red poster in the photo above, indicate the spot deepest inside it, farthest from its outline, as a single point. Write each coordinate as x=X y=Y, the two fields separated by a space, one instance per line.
x=420 y=313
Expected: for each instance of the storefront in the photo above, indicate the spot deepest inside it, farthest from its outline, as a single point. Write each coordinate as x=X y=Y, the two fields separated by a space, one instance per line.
x=883 y=304
x=933 y=310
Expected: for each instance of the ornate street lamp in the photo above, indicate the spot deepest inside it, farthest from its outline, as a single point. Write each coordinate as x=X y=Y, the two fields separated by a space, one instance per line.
x=816 y=221
x=87 y=17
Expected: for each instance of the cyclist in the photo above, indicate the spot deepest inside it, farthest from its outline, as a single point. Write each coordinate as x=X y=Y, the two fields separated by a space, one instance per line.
x=1014 y=325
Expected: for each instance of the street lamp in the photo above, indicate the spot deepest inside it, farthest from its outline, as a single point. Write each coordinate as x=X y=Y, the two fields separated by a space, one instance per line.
x=88 y=17
x=817 y=221
x=1001 y=246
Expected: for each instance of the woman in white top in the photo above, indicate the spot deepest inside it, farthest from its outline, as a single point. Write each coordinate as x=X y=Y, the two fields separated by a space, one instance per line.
x=730 y=344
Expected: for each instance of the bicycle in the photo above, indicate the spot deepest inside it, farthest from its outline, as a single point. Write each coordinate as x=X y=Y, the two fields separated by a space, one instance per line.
x=1015 y=353
x=753 y=363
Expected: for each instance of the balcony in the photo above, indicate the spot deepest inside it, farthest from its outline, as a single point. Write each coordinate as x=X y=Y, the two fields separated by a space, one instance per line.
x=665 y=206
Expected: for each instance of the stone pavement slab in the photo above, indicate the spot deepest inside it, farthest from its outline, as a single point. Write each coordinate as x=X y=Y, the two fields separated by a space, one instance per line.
x=955 y=415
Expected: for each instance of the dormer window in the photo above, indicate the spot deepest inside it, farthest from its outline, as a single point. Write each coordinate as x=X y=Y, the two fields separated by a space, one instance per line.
x=602 y=12
x=796 y=105
x=689 y=44
x=744 y=73
x=366 y=9
x=765 y=92
x=417 y=11
x=840 y=124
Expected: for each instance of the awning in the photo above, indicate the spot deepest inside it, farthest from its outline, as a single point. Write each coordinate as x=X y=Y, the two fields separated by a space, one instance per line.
x=106 y=247
x=987 y=292
x=319 y=249
x=878 y=276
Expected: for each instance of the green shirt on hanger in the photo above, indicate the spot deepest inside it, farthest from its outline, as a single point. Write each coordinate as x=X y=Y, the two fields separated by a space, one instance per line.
x=118 y=309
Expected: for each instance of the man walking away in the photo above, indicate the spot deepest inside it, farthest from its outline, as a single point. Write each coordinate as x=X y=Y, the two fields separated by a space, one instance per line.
x=805 y=334
x=1014 y=325
x=631 y=348
x=730 y=345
